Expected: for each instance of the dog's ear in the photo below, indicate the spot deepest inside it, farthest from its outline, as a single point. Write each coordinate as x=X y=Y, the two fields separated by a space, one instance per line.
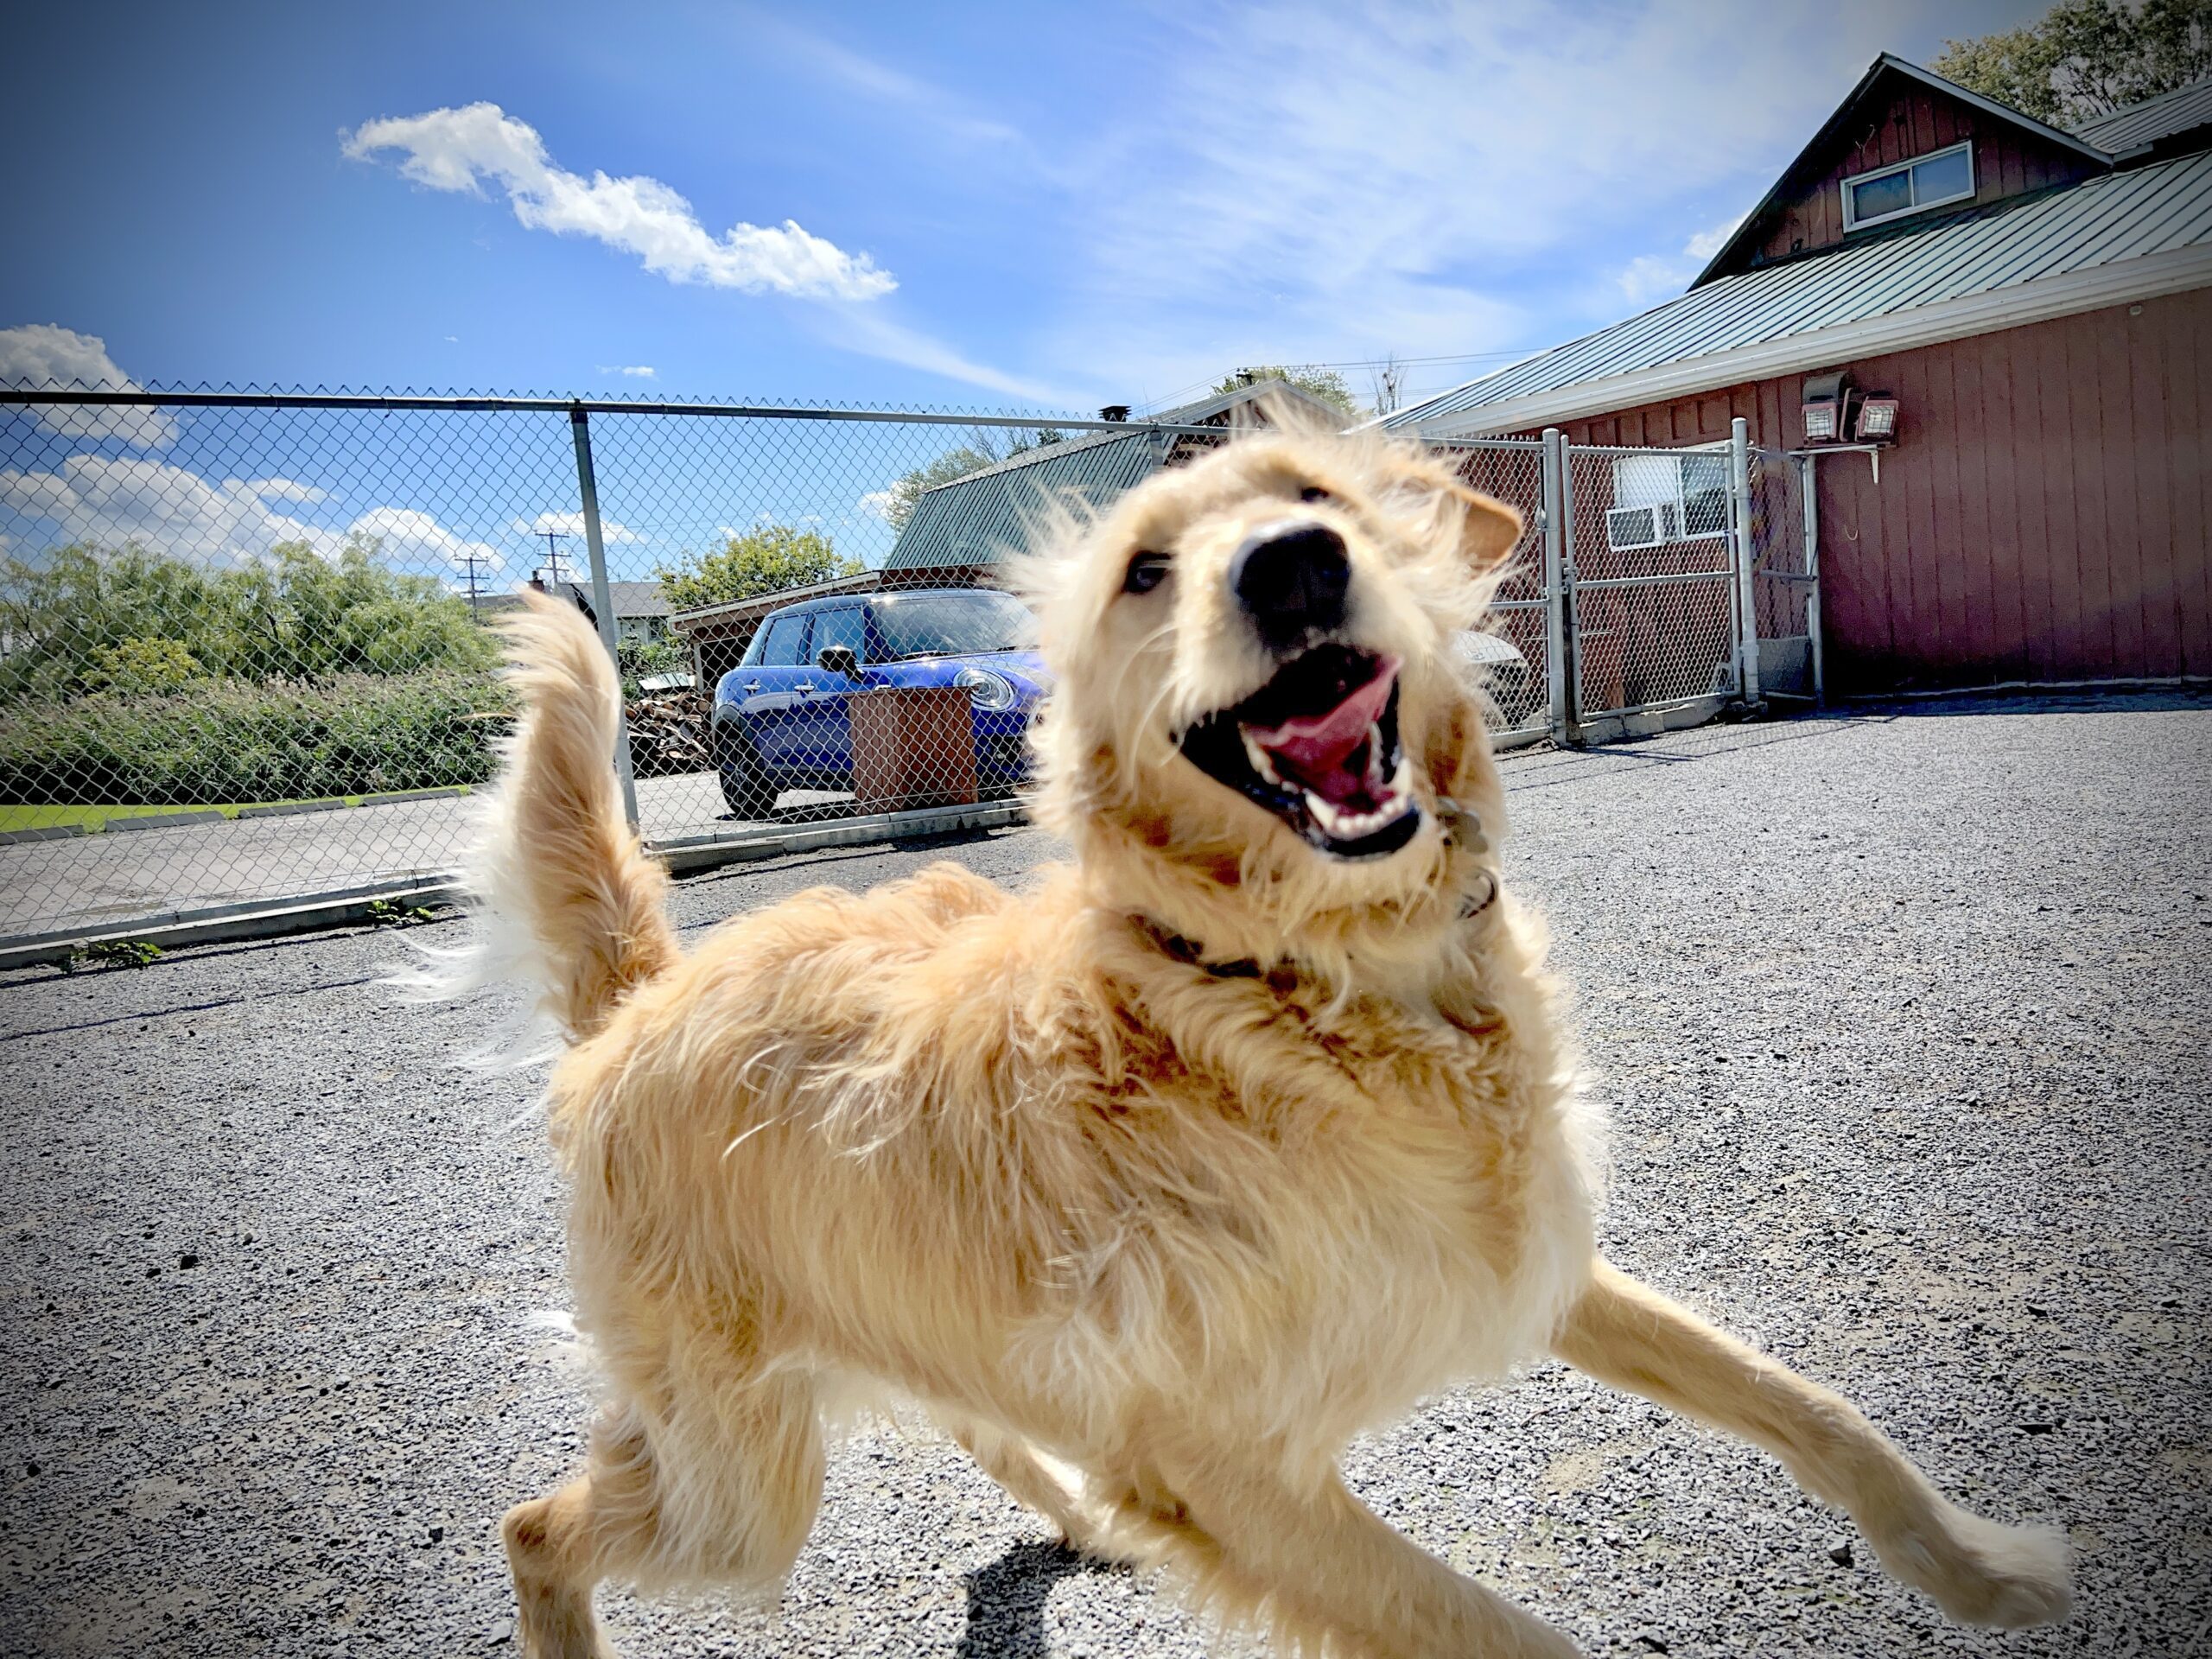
x=1489 y=529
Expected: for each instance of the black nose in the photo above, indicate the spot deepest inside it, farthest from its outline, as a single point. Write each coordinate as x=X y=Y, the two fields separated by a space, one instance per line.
x=1292 y=582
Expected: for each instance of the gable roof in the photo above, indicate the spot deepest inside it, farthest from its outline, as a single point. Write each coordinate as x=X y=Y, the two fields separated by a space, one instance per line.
x=630 y=598
x=979 y=517
x=2123 y=236
x=2162 y=117
x=1724 y=262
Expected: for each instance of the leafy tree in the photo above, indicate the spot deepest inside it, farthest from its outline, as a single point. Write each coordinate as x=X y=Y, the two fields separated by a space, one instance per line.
x=2086 y=58
x=86 y=618
x=764 y=560
x=985 y=447
x=1324 y=384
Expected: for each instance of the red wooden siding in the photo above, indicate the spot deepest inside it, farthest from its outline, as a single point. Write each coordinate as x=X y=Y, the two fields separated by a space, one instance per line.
x=2043 y=517
x=1915 y=120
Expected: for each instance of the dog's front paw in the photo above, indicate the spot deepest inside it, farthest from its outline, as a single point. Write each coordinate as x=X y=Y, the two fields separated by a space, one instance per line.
x=1981 y=1572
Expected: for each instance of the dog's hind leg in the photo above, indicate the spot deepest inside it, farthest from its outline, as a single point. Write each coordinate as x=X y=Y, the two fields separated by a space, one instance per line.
x=1623 y=1333
x=1323 y=1571
x=1009 y=1460
x=721 y=1491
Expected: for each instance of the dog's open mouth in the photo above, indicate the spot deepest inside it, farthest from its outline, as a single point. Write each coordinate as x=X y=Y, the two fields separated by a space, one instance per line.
x=1317 y=747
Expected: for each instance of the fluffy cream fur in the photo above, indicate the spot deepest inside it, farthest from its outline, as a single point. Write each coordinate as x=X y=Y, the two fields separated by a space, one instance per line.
x=1153 y=1240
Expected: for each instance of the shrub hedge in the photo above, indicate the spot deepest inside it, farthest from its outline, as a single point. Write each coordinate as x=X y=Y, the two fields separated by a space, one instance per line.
x=218 y=741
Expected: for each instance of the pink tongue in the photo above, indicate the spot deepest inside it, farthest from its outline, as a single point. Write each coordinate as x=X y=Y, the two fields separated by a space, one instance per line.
x=1313 y=748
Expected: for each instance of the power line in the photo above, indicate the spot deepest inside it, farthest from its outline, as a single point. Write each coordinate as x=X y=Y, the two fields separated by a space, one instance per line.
x=469 y=561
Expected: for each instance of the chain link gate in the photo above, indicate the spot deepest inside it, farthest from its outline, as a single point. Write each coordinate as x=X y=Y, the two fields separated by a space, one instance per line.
x=247 y=665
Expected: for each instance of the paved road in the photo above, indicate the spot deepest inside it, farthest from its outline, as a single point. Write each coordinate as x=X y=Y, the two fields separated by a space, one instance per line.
x=114 y=879
x=1902 y=1019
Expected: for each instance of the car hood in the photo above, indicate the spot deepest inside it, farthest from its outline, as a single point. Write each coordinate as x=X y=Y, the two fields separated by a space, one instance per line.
x=1025 y=668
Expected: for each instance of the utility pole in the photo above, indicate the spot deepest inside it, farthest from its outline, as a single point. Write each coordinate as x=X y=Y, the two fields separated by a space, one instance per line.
x=553 y=538
x=469 y=563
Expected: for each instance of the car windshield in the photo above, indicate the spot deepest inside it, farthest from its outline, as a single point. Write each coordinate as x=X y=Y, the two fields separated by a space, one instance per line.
x=953 y=624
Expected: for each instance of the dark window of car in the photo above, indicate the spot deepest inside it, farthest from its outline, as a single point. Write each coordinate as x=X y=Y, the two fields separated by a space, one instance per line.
x=847 y=626
x=784 y=643
x=953 y=624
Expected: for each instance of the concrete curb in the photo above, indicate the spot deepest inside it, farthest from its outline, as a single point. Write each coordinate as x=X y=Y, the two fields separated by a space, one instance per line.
x=44 y=832
x=210 y=814
x=224 y=924
x=159 y=820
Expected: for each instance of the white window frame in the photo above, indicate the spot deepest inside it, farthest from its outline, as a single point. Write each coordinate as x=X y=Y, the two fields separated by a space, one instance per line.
x=1670 y=514
x=1853 y=222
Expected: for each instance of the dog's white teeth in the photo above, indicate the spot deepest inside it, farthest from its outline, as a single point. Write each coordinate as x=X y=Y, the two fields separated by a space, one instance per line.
x=1375 y=760
x=1340 y=825
x=1258 y=757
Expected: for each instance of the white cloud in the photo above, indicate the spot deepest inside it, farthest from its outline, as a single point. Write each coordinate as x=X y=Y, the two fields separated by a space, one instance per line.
x=455 y=149
x=572 y=523
x=1651 y=276
x=634 y=370
x=417 y=541
x=109 y=502
x=876 y=504
x=45 y=354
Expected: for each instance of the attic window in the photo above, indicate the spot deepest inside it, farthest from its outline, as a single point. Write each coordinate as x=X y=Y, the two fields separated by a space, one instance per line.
x=1925 y=181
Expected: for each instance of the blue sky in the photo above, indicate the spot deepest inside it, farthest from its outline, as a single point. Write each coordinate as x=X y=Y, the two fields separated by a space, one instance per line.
x=996 y=206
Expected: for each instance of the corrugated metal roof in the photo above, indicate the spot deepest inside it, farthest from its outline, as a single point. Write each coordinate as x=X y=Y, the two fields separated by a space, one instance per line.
x=2120 y=216
x=2153 y=119
x=981 y=518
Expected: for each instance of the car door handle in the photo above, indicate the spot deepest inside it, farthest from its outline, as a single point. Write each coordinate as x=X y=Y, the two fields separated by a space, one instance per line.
x=807 y=687
x=752 y=685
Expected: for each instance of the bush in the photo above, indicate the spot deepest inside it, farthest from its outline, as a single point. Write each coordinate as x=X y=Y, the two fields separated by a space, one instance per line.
x=141 y=665
x=233 y=740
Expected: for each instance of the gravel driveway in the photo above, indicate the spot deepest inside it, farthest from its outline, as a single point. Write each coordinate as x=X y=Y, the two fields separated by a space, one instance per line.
x=1903 y=1018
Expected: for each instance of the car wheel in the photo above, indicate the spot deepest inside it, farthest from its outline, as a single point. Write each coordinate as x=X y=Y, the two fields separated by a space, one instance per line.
x=748 y=789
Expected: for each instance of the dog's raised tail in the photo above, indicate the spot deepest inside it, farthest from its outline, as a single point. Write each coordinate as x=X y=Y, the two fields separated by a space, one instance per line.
x=566 y=896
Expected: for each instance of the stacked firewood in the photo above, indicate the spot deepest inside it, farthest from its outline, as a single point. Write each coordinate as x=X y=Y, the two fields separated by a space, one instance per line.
x=668 y=733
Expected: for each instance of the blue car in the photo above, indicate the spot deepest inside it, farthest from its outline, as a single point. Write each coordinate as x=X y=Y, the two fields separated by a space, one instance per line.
x=780 y=718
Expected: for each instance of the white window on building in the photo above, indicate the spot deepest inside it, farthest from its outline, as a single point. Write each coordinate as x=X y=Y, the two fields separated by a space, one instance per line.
x=1659 y=500
x=1910 y=187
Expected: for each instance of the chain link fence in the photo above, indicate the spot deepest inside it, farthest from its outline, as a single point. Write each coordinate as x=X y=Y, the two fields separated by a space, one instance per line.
x=246 y=661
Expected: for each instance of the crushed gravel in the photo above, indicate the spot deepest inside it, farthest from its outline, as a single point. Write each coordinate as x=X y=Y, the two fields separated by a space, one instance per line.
x=1902 y=1017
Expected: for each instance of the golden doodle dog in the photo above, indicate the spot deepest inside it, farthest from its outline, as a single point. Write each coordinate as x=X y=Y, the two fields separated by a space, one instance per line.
x=1246 y=1130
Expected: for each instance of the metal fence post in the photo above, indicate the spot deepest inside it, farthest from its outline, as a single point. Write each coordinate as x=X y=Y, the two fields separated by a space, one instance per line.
x=1739 y=503
x=1807 y=477
x=1555 y=644
x=602 y=599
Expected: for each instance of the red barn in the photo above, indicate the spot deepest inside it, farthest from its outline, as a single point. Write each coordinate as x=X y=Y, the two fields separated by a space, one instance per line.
x=2031 y=307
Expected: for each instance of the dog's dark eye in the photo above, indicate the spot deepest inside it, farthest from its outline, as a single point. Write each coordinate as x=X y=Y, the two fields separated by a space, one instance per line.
x=1147 y=571
x=1315 y=493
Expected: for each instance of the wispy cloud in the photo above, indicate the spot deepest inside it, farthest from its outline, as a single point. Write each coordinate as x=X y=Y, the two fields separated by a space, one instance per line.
x=46 y=354
x=459 y=149
x=1344 y=182
x=877 y=335
x=284 y=489
x=881 y=83
x=632 y=370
